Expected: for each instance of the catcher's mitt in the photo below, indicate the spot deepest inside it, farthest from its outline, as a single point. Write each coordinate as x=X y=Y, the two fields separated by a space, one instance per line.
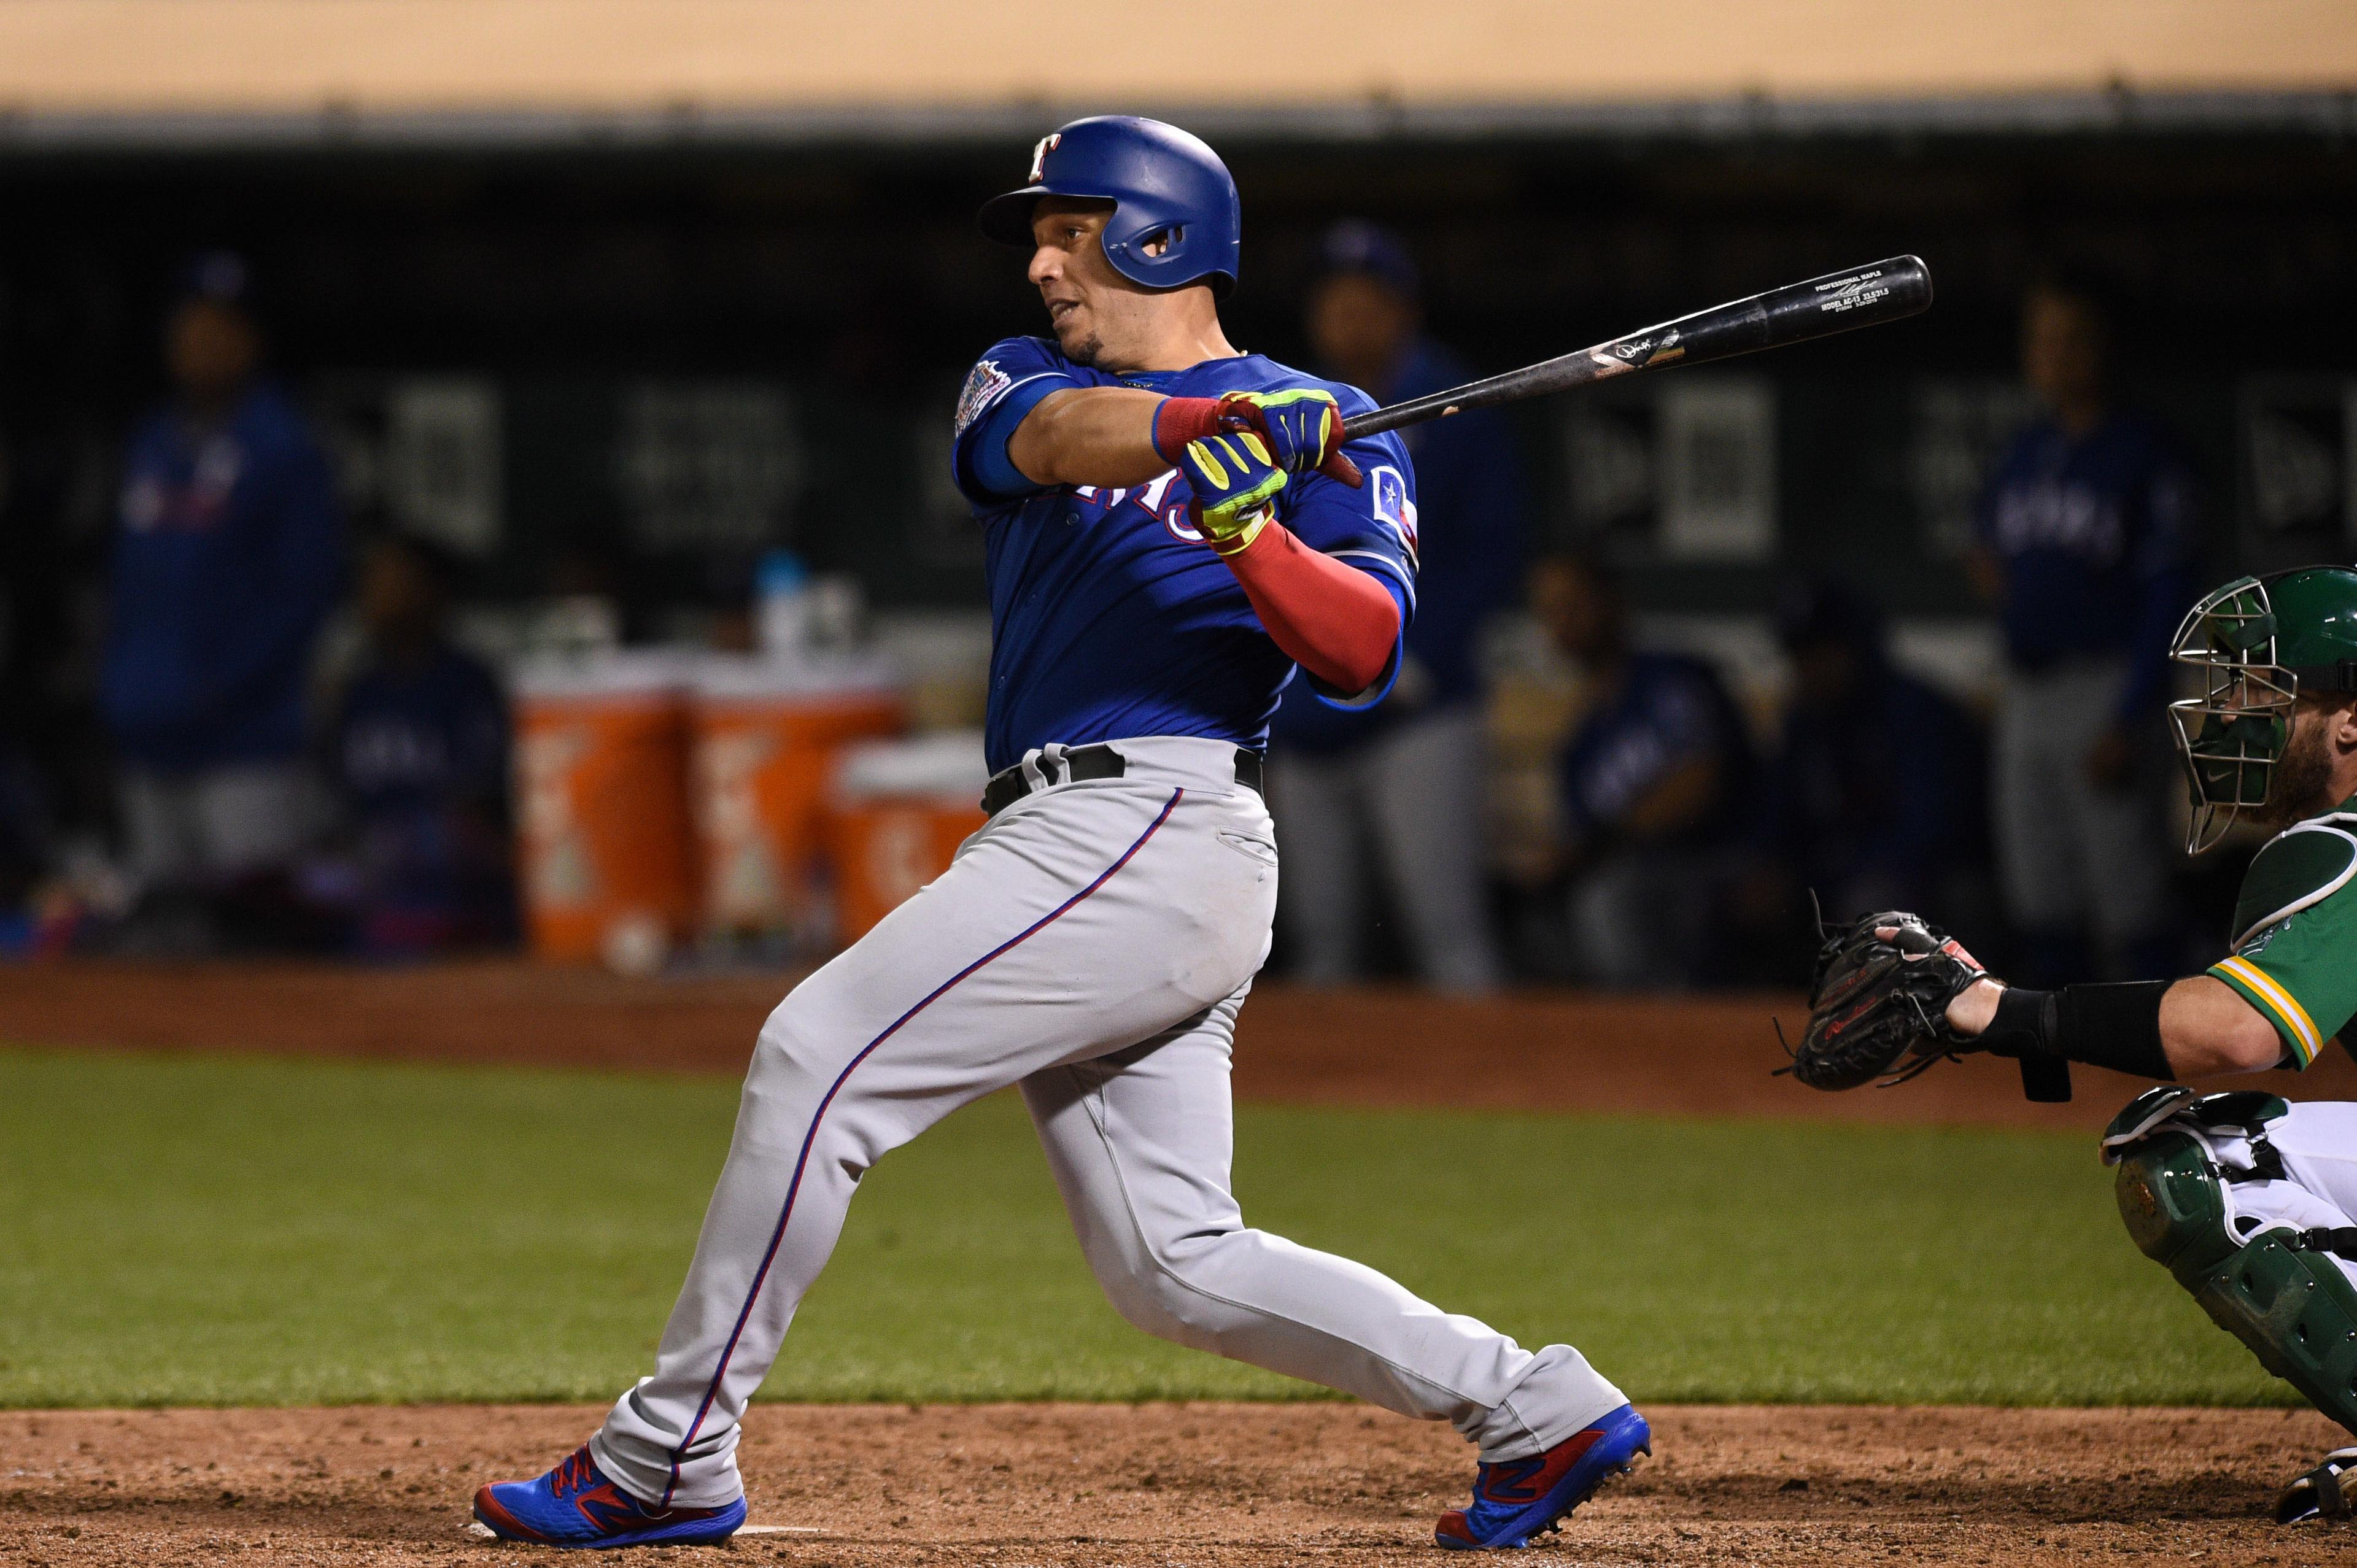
x=1879 y=1003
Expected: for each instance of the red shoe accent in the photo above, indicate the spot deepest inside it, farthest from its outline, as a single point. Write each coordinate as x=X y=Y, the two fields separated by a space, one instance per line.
x=613 y=1510
x=1452 y=1523
x=507 y=1522
x=1526 y=1483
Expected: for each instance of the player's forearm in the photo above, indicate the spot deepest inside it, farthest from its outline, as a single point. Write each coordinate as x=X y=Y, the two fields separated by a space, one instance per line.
x=2196 y=1028
x=1332 y=618
x=2208 y=1029
x=1089 y=435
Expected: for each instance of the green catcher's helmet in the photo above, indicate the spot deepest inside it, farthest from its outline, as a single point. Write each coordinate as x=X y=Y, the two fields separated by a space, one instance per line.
x=2260 y=643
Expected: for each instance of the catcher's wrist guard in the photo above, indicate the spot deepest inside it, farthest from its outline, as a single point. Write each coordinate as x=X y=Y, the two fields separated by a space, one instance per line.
x=2118 y=1027
x=2025 y=1024
x=2024 y=1028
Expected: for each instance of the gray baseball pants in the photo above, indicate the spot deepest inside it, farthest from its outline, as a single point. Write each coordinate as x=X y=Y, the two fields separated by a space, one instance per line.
x=1091 y=943
x=1411 y=794
x=2073 y=856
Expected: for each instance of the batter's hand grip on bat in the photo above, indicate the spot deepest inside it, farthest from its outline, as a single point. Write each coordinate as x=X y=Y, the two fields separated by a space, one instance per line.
x=1838 y=302
x=1244 y=412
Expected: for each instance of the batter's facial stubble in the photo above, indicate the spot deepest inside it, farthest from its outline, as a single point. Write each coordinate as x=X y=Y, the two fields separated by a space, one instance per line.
x=1102 y=318
x=1084 y=352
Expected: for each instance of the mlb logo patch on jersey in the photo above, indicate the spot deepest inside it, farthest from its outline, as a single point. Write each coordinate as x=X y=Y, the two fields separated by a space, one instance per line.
x=1388 y=487
x=981 y=389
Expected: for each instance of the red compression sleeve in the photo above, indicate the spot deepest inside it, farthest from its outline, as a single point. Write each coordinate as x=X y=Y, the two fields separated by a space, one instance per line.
x=1178 y=420
x=1332 y=619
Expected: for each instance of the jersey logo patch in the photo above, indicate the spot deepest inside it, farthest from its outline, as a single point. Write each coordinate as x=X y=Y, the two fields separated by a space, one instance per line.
x=2256 y=942
x=981 y=389
x=1387 y=488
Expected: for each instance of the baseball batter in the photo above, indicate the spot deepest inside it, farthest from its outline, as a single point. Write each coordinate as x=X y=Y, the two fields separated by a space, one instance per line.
x=1173 y=527
x=2249 y=1200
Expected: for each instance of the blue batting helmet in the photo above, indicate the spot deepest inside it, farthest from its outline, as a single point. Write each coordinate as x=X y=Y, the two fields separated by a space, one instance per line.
x=1162 y=182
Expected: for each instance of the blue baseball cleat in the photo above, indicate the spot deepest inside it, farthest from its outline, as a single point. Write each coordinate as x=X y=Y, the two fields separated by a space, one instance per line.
x=1515 y=1500
x=574 y=1505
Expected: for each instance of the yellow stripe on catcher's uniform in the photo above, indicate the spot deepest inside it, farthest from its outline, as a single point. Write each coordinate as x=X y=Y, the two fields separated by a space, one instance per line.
x=2279 y=1004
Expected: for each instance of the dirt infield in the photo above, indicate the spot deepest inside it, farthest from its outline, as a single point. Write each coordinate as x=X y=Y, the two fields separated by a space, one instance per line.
x=1208 y=1485
x=1538 y=1050
x=1201 y=1484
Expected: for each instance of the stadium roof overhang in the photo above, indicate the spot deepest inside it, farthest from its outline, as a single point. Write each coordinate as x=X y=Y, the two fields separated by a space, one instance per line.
x=211 y=73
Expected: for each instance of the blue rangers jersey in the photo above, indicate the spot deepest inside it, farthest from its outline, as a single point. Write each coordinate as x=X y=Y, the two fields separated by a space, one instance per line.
x=1109 y=615
x=2097 y=537
x=228 y=556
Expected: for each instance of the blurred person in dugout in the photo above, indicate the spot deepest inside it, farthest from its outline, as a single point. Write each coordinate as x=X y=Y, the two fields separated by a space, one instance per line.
x=1399 y=787
x=418 y=748
x=1651 y=784
x=229 y=555
x=1874 y=799
x=2086 y=544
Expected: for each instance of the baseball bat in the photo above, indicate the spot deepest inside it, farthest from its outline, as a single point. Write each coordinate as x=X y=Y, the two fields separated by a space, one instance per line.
x=1838 y=302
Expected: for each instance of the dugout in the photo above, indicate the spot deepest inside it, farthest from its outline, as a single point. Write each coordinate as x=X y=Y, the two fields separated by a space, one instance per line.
x=636 y=290
x=686 y=347
x=682 y=279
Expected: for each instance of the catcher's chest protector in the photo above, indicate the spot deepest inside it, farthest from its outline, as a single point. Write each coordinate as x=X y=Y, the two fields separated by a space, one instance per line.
x=2302 y=865
x=2276 y=1292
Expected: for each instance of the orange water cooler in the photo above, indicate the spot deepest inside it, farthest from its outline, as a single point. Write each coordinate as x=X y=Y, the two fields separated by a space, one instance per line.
x=898 y=812
x=766 y=738
x=601 y=786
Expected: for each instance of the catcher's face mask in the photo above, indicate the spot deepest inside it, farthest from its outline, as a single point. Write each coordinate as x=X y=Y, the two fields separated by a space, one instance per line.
x=2232 y=736
x=2260 y=644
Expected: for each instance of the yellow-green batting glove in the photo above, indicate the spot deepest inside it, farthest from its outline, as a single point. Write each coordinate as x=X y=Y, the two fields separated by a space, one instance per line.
x=1303 y=428
x=1236 y=486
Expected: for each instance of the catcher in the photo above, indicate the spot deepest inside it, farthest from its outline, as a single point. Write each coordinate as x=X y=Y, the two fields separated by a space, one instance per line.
x=2247 y=1199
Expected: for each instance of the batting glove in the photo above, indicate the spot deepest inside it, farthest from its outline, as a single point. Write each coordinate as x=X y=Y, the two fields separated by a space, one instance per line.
x=1237 y=485
x=1302 y=428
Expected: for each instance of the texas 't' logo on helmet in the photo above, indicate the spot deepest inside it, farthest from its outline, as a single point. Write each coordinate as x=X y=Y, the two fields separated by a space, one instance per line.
x=1040 y=155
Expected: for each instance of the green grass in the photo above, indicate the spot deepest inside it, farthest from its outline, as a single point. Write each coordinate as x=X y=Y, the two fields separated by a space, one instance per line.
x=200 y=1230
